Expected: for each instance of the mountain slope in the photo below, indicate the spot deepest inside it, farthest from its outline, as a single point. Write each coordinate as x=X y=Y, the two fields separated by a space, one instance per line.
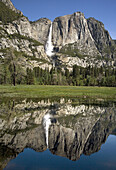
x=10 y=5
x=75 y=40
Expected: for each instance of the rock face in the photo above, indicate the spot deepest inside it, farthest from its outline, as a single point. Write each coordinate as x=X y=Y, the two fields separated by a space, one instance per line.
x=37 y=30
x=10 y=5
x=40 y=30
x=103 y=41
x=18 y=35
x=75 y=39
x=86 y=39
x=73 y=28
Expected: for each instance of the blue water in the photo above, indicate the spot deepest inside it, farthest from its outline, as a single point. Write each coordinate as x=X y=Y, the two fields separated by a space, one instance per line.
x=104 y=159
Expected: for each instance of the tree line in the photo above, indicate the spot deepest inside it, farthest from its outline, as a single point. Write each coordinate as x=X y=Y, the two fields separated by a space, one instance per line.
x=12 y=73
x=90 y=76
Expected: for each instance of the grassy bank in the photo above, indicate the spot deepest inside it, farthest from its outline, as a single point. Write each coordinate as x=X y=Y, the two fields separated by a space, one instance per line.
x=36 y=91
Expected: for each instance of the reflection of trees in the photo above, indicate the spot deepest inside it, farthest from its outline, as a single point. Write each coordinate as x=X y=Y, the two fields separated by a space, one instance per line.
x=85 y=137
x=73 y=130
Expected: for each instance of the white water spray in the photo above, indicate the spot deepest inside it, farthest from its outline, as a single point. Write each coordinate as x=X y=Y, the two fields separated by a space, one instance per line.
x=49 y=47
x=47 y=123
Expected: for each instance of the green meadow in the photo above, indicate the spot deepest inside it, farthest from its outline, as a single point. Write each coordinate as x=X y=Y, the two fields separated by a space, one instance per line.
x=42 y=91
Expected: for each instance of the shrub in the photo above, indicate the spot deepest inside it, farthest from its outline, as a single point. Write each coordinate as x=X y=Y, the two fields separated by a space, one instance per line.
x=7 y=15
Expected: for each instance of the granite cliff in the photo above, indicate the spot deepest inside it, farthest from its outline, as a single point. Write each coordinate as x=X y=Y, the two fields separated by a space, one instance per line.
x=11 y=6
x=75 y=40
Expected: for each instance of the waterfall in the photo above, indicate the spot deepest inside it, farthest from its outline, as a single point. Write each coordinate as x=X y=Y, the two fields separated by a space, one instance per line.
x=49 y=47
x=46 y=124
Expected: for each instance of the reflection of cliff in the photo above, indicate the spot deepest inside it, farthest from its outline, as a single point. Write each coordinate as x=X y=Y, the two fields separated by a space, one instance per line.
x=33 y=138
x=105 y=126
x=72 y=131
x=6 y=155
x=85 y=137
x=16 y=142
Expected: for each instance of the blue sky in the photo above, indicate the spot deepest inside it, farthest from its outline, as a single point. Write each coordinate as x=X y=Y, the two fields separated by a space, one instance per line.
x=103 y=10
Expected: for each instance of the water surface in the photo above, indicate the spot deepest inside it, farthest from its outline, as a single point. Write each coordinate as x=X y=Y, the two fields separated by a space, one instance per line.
x=57 y=135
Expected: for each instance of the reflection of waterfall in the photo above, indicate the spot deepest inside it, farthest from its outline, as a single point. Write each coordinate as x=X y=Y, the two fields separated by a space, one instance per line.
x=68 y=130
x=47 y=123
x=53 y=63
x=49 y=46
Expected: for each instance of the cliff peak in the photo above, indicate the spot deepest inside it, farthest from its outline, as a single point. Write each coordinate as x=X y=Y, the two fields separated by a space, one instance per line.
x=9 y=4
